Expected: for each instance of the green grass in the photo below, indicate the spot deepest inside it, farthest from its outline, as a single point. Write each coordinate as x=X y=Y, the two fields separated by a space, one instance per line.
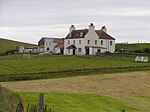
x=132 y=47
x=10 y=45
x=63 y=102
x=6 y=99
x=14 y=64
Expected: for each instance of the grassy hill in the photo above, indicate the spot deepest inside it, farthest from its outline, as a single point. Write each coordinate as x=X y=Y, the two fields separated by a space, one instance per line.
x=10 y=45
x=132 y=47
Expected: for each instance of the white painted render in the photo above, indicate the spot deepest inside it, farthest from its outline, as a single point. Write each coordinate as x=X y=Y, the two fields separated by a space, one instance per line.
x=92 y=37
x=49 y=46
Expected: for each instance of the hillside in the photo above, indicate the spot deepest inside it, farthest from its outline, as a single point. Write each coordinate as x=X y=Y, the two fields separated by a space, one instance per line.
x=132 y=47
x=10 y=45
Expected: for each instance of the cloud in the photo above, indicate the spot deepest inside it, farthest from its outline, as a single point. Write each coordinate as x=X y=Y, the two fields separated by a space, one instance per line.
x=34 y=18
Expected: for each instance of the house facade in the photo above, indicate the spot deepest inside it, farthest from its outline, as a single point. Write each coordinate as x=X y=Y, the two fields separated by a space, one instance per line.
x=88 y=41
x=51 y=45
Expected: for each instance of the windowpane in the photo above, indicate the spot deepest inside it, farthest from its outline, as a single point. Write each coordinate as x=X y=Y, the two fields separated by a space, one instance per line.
x=73 y=41
x=88 y=42
x=110 y=42
x=79 y=41
x=95 y=42
x=68 y=42
x=101 y=42
x=79 y=49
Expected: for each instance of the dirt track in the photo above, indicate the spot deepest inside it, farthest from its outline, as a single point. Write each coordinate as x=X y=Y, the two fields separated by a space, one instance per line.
x=120 y=84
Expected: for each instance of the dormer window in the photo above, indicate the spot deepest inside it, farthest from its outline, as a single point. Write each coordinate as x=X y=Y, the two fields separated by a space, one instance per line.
x=81 y=34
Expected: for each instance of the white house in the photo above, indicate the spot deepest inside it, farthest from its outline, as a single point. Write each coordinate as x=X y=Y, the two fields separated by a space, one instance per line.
x=51 y=45
x=88 y=41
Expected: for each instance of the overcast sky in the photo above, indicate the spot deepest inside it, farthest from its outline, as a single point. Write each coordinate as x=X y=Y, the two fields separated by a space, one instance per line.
x=29 y=20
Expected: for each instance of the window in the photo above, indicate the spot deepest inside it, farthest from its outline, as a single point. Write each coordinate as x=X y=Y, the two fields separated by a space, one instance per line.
x=101 y=42
x=68 y=50
x=81 y=34
x=95 y=42
x=74 y=42
x=68 y=42
x=49 y=43
x=48 y=49
x=88 y=41
x=110 y=42
x=79 y=49
x=98 y=50
x=79 y=41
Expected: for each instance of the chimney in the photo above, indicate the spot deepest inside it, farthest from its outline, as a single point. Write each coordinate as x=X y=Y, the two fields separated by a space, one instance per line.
x=71 y=28
x=104 y=29
x=91 y=27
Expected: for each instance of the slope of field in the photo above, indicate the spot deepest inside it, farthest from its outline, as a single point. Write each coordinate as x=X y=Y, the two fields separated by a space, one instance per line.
x=120 y=84
x=43 y=63
x=132 y=47
x=10 y=45
x=6 y=99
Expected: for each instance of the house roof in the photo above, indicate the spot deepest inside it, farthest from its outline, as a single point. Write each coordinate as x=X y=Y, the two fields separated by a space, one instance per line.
x=76 y=34
x=100 y=33
x=104 y=35
x=72 y=47
x=29 y=46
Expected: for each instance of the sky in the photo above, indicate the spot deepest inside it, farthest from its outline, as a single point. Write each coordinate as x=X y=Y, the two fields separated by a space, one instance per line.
x=30 y=20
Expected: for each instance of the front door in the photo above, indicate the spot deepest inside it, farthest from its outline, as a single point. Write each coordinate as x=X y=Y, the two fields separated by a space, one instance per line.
x=74 y=51
x=87 y=51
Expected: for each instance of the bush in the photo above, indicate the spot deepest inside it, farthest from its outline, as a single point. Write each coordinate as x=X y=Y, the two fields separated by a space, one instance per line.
x=146 y=50
x=138 y=51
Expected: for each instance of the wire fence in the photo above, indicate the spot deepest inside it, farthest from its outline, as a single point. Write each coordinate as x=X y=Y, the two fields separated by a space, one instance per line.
x=84 y=70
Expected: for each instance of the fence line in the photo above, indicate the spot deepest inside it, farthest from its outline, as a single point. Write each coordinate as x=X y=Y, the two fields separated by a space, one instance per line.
x=83 y=70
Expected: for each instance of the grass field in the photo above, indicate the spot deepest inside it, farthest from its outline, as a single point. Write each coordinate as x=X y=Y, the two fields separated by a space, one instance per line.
x=15 y=63
x=132 y=47
x=10 y=45
x=64 y=102
x=93 y=93
x=120 y=84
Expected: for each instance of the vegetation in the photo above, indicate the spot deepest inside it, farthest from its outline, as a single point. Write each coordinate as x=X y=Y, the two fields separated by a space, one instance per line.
x=6 y=99
x=64 y=102
x=16 y=65
x=9 y=45
x=133 y=47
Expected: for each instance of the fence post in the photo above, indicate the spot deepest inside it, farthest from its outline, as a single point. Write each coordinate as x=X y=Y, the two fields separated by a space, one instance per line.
x=41 y=102
x=25 y=103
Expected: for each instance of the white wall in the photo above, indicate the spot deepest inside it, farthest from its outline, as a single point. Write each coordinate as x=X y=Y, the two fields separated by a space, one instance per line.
x=91 y=36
